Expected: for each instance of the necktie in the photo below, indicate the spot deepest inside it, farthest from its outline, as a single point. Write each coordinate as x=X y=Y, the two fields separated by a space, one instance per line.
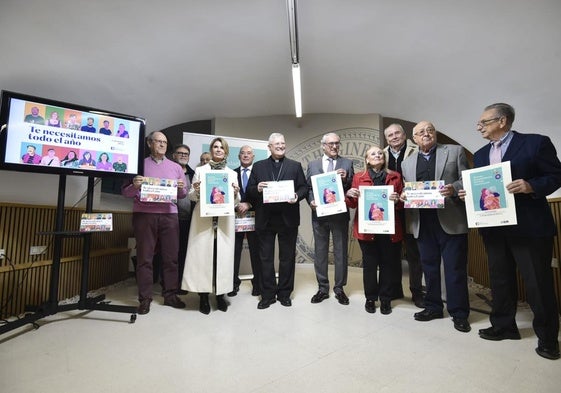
x=330 y=164
x=244 y=179
x=495 y=154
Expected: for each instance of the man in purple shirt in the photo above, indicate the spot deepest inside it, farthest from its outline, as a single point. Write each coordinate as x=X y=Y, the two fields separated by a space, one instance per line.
x=30 y=157
x=156 y=224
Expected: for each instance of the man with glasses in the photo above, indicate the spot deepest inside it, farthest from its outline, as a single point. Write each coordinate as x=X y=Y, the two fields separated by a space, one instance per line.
x=273 y=220
x=181 y=155
x=337 y=224
x=397 y=150
x=527 y=246
x=156 y=223
x=441 y=233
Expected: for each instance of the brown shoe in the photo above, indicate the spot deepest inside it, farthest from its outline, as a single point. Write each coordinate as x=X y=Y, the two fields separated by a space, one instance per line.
x=144 y=307
x=174 y=301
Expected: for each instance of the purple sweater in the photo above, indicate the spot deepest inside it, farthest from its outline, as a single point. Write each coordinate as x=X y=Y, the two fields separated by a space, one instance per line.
x=165 y=169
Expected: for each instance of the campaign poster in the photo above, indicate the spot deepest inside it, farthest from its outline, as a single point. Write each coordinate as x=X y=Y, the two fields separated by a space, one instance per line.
x=376 y=212
x=216 y=194
x=488 y=203
x=328 y=194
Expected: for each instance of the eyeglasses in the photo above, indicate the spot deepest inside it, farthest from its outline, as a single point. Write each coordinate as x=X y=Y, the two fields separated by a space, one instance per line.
x=160 y=141
x=332 y=144
x=180 y=153
x=483 y=123
x=427 y=131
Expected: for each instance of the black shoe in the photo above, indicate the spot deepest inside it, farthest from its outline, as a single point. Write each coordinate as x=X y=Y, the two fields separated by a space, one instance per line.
x=427 y=315
x=461 y=324
x=385 y=307
x=370 y=306
x=234 y=292
x=204 y=305
x=144 y=307
x=174 y=301
x=221 y=303
x=319 y=297
x=342 y=298
x=549 y=352
x=285 y=301
x=182 y=292
x=265 y=303
x=498 y=334
x=419 y=301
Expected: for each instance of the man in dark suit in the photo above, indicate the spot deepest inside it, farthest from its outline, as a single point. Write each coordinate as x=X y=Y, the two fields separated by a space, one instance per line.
x=274 y=220
x=441 y=233
x=528 y=246
x=246 y=157
x=336 y=224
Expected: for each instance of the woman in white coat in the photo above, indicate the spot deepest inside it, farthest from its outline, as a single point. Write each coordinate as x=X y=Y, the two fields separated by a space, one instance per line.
x=209 y=265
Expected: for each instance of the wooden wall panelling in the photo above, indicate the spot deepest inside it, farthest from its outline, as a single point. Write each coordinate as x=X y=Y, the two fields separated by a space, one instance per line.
x=27 y=281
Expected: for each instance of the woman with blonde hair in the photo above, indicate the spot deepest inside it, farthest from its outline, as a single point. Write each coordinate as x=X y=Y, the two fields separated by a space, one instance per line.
x=209 y=265
x=380 y=250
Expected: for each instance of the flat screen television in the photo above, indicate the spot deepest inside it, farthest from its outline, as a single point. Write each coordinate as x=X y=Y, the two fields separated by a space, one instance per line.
x=47 y=136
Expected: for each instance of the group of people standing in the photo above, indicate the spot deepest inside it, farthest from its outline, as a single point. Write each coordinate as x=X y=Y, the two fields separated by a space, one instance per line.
x=430 y=237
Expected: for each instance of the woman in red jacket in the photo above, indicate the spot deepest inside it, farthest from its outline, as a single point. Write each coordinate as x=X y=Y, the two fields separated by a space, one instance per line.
x=383 y=251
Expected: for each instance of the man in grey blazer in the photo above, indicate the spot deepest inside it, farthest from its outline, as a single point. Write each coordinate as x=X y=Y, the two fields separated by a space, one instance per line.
x=336 y=224
x=397 y=150
x=441 y=233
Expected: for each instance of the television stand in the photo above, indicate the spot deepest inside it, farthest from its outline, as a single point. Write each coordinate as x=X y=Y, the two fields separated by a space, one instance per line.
x=52 y=306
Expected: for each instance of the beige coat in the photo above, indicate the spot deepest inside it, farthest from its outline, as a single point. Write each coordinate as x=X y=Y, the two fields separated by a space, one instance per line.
x=198 y=273
x=411 y=148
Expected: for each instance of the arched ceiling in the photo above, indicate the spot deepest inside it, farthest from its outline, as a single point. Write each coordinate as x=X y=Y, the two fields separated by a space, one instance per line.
x=181 y=60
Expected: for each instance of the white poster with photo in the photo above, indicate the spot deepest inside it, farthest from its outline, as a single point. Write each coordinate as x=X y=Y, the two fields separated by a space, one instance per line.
x=278 y=191
x=154 y=189
x=376 y=212
x=96 y=222
x=424 y=194
x=216 y=194
x=245 y=223
x=488 y=203
x=328 y=194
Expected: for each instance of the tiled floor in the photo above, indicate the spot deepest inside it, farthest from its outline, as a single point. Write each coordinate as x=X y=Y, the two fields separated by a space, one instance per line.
x=323 y=348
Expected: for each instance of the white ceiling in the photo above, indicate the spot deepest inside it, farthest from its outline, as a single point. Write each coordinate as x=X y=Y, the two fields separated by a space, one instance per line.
x=174 y=61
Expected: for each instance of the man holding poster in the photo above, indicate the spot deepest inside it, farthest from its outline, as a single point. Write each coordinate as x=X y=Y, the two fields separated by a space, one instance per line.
x=246 y=157
x=156 y=223
x=441 y=233
x=336 y=224
x=279 y=219
x=528 y=246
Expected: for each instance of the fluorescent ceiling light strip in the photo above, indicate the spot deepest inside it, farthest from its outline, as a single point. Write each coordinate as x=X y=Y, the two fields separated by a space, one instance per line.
x=297 y=89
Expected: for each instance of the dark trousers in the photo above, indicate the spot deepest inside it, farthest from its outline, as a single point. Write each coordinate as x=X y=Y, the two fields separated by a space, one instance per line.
x=532 y=256
x=413 y=261
x=287 y=260
x=149 y=230
x=253 y=244
x=184 y=226
x=435 y=246
x=380 y=254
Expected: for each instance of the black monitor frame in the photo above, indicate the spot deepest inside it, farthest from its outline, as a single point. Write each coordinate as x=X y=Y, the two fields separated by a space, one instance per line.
x=18 y=134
